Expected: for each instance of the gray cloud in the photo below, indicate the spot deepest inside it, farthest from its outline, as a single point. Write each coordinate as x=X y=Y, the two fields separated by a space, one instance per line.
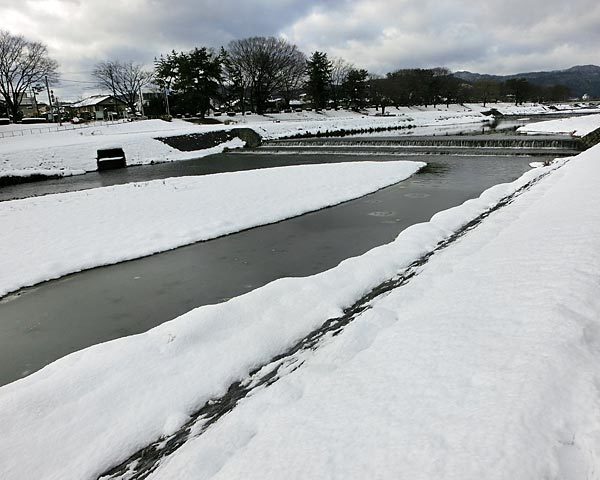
x=381 y=35
x=495 y=37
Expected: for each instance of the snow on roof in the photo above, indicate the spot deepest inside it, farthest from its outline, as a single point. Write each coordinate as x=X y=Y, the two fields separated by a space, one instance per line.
x=93 y=100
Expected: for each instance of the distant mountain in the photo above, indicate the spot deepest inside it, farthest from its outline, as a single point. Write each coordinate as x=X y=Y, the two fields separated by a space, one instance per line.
x=581 y=79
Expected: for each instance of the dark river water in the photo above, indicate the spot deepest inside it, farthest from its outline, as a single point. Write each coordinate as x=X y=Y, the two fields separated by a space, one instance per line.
x=43 y=323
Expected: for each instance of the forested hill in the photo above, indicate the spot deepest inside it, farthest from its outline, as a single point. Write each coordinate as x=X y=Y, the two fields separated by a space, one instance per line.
x=580 y=79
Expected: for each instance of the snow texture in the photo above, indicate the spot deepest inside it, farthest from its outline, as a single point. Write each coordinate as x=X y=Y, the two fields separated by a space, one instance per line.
x=576 y=126
x=484 y=365
x=55 y=235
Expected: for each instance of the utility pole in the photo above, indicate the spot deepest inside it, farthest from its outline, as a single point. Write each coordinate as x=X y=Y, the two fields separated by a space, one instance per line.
x=141 y=102
x=167 y=101
x=34 y=103
x=58 y=109
x=112 y=83
x=49 y=98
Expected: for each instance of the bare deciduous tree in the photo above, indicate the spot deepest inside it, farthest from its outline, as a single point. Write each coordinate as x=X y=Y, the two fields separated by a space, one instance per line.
x=340 y=69
x=293 y=75
x=23 y=63
x=266 y=65
x=123 y=79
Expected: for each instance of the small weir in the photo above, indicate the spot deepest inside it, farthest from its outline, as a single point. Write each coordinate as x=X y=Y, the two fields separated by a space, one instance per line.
x=493 y=144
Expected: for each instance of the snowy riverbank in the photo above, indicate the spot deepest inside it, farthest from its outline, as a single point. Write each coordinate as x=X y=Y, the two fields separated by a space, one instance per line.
x=73 y=152
x=484 y=365
x=102 y=226
x=576 y=126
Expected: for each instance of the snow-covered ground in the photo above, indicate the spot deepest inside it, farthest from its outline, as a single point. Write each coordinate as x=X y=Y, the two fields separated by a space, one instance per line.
x=536 y=108
x=353 y=121
x=107 y=225
x=577 y=126
x=21 y=129
x=486 y=365
x=73 y=152
x=483 y=366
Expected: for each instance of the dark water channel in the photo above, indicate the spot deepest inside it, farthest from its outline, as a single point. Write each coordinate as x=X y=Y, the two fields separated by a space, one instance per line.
x=43 y=323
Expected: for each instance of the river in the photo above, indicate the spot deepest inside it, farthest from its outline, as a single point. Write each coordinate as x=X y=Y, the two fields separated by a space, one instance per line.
x=50 y=320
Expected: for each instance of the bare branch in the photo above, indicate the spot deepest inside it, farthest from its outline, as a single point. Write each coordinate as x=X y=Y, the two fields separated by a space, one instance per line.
x=266 y=65
x=22 y=64
x=123 y=79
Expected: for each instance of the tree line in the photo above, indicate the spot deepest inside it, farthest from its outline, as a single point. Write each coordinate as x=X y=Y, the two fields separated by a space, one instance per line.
x=258 y=74
x=263 y=74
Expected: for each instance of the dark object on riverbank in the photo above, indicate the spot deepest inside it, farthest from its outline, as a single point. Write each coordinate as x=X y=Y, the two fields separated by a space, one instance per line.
x=492 y=112
x=202 y=141
x=110 y=158
x=204 y=121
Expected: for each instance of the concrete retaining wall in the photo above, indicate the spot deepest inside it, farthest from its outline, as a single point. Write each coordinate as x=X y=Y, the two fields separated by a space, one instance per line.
x=591 y=139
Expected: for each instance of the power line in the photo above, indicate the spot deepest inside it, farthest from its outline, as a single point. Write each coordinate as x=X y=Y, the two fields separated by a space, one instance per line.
x=60 y=80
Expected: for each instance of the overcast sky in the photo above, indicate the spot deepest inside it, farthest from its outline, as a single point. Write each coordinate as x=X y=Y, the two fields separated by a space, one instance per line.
x=486 y=36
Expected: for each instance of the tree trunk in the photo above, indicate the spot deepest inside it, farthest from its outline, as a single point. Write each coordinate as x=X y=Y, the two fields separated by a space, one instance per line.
x=15 y=112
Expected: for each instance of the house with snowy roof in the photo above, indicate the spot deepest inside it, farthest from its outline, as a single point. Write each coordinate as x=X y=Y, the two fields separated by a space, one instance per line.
x=99 y=107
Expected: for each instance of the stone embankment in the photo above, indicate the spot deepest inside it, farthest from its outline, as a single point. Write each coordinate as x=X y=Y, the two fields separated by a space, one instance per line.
x=201 y=141
x=592 y=138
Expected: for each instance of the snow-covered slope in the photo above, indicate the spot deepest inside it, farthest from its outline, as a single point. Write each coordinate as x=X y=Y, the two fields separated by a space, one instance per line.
x=91 y=409
x=484 y=366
